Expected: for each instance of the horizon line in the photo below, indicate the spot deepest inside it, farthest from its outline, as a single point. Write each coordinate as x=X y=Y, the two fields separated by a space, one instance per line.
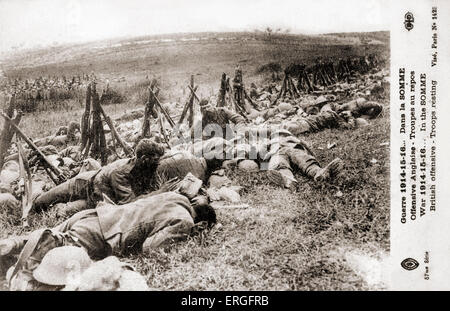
x=36 y=47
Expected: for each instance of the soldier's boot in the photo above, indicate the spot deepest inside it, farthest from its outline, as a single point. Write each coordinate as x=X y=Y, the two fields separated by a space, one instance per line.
x=68 y=209
x=282 y=177
x=7 y=247
x=60 y=193
x=329 y=172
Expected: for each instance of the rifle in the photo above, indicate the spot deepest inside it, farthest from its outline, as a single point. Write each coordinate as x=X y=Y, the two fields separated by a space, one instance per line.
x=250 y=100
x=163 y=130
x=114 y=133
x=166 y=114
x=7 y=134
x=25 y=174
x=193 y=93
x=149 y=111
x=49 y=167
x=238 y=108
x=85 y=119
x=186 y=107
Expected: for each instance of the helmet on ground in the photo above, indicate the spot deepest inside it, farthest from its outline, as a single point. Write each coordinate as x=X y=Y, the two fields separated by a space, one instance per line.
x=280 y=133
x=360 y=122
x=109 y=274
x=248 y=166
x=321 y=99
x=61 y=263
x=283 y=106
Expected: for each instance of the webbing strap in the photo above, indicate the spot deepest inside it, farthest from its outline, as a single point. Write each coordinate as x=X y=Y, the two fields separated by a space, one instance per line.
x=28 y=249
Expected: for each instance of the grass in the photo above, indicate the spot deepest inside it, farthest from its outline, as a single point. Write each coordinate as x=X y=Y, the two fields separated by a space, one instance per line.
x=282 y=244
x=295 y=239
x=290 y=243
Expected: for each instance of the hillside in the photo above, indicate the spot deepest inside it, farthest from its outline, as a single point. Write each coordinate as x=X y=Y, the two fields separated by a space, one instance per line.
x=331 y=236
x=175 y=57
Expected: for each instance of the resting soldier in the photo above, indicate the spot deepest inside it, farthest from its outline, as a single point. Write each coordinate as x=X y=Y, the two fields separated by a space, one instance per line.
x=361 y=108
x=178 y=163
x=333 y=115
x=287 y=152
x=64 y=136
x=122 y=181
x=215 y=120
x=154 y=220
x=316 y=123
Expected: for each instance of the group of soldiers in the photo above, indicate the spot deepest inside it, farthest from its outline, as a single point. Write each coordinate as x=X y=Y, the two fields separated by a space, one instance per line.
x=326 y=72
x=45 y=90
x=162 y=193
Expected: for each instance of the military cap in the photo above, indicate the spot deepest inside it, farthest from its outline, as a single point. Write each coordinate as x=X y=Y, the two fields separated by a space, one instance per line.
x=74 y=126
x=149 y=147
x=281 y=132
x=321 y=99
x=5 y=188
x=203 y=102
x=360 y=122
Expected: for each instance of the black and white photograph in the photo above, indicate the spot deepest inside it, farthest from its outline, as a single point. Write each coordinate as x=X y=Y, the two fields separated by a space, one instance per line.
x=196 y=145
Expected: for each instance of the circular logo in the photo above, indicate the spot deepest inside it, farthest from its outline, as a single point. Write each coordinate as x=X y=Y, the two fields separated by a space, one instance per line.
x=409 y=264
x=409 y=21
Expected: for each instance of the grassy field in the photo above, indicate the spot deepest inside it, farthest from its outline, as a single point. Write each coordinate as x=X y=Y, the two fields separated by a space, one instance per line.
x=314 y=237
x=305 y=239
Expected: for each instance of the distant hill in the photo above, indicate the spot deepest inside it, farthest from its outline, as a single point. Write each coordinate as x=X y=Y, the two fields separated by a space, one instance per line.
x=176 y=56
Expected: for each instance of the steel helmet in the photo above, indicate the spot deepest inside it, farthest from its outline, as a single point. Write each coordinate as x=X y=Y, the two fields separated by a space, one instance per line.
x=248 y=166
x=59 y=263
x=109 y=274
x=321 y=99
x=281 y=133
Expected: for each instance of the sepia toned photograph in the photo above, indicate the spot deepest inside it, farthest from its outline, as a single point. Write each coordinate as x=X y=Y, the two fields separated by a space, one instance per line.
x=195 y=145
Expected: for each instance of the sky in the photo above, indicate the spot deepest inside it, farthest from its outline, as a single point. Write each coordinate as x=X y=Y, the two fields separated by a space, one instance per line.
x=27 y=23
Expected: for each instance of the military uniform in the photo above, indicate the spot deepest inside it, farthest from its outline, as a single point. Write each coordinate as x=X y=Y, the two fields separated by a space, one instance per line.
x=363 y=108
x=114 y=180
x=315 y=123
x=217 y=118
x=117 y=230
x=63 y=137
x=145 y=224
x=289 y=152
x=180 y=163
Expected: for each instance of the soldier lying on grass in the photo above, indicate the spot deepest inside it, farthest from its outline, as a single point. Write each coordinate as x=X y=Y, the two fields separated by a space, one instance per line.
x=281 y=155
x=122 y=181
x=215 y=119
x=64 y=136
x=288 y=152
x=152 y=221
x=331 y=115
